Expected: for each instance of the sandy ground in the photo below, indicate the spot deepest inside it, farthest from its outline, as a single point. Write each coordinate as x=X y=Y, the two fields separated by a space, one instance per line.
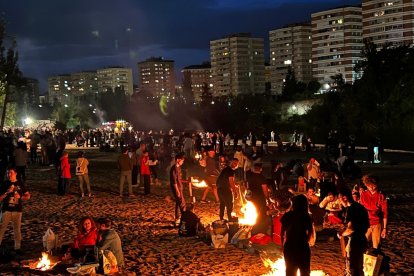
x=151 y=245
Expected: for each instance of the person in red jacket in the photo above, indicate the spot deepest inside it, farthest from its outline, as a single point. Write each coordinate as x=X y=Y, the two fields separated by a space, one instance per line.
x=376 y=204
x=86 y=238
x=64 y=174
x=145 y=172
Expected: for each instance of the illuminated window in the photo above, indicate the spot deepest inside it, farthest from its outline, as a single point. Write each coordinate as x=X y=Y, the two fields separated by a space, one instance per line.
x=287 y=62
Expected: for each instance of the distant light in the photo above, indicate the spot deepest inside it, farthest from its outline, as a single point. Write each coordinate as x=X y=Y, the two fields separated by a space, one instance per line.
x=94 y=111
x=90 y=105
x=65 y=105
x=40 y=105
x=28 y=121
x=212 y=102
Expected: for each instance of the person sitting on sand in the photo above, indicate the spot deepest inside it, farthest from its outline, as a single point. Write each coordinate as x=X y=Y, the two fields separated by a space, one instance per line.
x=109 y=240
x=334 y=207
x=190 y=224
x=86 y=238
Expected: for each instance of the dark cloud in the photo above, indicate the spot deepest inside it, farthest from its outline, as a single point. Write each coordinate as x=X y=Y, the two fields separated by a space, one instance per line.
x=73 y=35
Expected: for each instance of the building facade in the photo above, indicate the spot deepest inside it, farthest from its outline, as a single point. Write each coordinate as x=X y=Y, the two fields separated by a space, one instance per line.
x=196 y=79
x=290 y=46
x=59 y=89
x=237 y=65
x=336 y=44
x=156 y=77
x=84 y=83
x=388 y=21
x=111 y=79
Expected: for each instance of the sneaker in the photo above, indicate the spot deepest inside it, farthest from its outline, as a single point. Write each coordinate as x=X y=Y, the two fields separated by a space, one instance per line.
x=177 y=222
x=90 y=195
x=203 y=201
x=82 y=195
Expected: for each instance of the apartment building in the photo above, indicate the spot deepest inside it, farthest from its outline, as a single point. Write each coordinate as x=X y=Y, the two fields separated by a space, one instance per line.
x=237 y=65
x=157 y=77
x=84 y=83
x=290 y=46
x=336 y=44
x=196 y=78
x=59 y=88
x=111 y=79
x=388 y=21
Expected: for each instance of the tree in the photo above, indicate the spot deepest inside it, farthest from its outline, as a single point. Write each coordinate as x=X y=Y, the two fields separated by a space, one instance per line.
x=12 y=76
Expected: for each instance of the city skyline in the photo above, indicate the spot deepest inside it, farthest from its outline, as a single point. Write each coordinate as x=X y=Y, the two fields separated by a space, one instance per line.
x=60 y=38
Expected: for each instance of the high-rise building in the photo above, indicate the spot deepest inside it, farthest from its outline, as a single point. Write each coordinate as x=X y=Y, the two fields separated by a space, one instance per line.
x=156 y=77
x=196 y=78
x=237 y=65
x=388 y=21
x=32 y=90
x=59 y=89
x=290 y=46
x=336 y=44
x=84 y=83
x=111 y=79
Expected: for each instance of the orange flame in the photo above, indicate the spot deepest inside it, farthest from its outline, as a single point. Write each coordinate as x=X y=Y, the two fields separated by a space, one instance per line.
x=44 y=262
x=278 y=268
x=250 y=214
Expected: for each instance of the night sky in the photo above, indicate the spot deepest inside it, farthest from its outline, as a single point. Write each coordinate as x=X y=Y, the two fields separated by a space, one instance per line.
x=57 y=37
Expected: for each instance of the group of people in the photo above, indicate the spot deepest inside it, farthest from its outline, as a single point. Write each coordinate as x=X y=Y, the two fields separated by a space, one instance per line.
x=93 y=241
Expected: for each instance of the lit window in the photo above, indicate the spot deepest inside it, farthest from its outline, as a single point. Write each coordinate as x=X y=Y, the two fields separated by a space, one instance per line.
x=287 y=62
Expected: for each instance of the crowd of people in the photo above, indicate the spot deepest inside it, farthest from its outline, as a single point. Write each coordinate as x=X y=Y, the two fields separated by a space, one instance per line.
x=231 y=167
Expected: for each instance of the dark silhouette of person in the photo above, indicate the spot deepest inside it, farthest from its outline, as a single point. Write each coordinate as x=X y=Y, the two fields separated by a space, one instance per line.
x=297 y=234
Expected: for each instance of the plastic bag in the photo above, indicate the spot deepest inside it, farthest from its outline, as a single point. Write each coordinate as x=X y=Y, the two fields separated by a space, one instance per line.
x=49 y=240
x=219 y=241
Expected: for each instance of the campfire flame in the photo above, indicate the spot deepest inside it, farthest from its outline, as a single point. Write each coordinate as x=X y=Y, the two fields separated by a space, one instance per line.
x=197 y=183
x=250 y=214
x=44 y=262
x=278 y=268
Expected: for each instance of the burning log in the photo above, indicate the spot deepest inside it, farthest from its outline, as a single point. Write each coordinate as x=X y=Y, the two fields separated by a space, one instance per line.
x=197 y=183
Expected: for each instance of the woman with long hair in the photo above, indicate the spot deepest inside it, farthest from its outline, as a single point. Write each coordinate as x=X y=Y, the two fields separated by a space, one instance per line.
x=86 y=238
x=297 y=234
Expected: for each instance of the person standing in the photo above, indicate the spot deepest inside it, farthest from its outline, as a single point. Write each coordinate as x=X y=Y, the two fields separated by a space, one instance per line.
x=313 y=170
x=83 y=173
x=297 y=235
x=376 y=204
x=211 y=170
x=257 y=184
x=125 y=167
x=64 y=174
x=145 y=172
x=176 y=186
x=357 y=224
x=12 y=193
x=227 y=189
x=20 y=160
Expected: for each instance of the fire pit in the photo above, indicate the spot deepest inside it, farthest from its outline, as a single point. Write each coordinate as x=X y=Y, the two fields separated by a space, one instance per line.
x=44 y=263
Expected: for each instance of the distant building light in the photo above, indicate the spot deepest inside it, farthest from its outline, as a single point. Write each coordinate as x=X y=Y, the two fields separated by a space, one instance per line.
x=287 y=62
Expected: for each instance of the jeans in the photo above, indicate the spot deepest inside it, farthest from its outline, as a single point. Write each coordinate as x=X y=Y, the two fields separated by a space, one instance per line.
x=16 y=219
x=226 y=202
x=84 y=179
x=128 y=176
